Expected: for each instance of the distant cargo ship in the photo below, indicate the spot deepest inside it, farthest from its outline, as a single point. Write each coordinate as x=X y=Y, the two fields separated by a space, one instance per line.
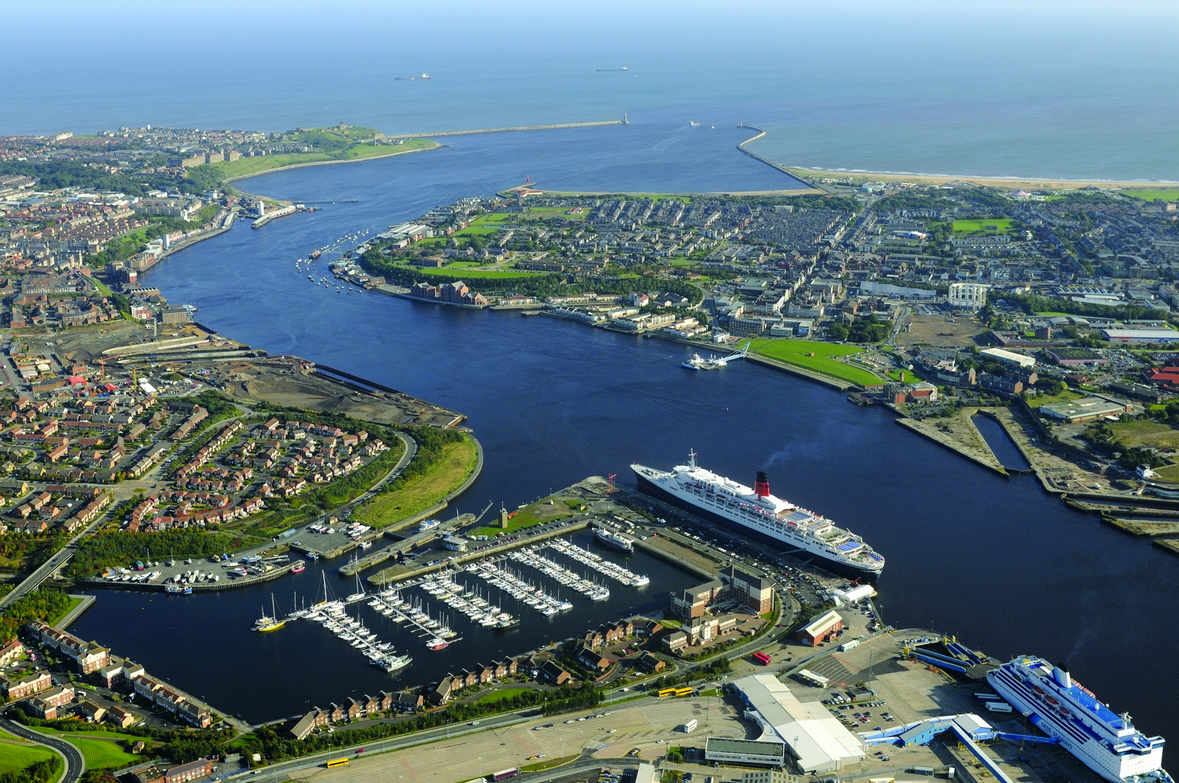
x=612 y=70
x=608 y=537
x=757 y=513
x=1104 y=741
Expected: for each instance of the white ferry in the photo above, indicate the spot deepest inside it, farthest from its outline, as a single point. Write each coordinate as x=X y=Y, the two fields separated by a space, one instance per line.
x=1104 y=741
x=757 y=513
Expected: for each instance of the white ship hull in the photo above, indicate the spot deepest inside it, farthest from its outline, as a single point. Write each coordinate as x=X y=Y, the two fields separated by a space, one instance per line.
x=756 y=513
x=1105 y=742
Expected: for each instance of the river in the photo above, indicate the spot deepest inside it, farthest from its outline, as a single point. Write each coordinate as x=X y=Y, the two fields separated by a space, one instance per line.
x=997 y=561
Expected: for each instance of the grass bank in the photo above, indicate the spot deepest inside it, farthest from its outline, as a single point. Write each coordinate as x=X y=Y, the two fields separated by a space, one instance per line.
x=16 y=755
x=248 y=167
x=420 y=493
x=820 y=357
x=100 y=749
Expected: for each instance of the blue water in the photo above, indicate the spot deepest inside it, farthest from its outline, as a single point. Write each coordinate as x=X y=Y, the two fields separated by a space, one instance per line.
x=1005 y=566
x=1005 y=88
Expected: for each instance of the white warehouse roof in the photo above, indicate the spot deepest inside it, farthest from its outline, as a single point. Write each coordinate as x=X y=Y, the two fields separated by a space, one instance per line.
x=818 y=741
x=1009 y=356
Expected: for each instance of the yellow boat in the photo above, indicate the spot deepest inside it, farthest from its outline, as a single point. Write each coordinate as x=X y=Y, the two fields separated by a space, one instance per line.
x=270 y=622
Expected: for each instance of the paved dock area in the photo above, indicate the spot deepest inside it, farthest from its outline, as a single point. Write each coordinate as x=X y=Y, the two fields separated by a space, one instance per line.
x=648 y=724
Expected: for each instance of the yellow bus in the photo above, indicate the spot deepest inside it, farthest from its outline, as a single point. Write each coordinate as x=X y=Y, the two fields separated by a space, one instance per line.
x=683 y=691
x=336 y=763
x=667 y=692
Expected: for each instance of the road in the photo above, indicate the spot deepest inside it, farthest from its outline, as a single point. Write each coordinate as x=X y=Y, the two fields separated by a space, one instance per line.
x=75 y=765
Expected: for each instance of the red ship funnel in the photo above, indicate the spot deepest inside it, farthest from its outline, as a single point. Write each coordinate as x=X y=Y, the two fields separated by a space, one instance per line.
x=761 y=487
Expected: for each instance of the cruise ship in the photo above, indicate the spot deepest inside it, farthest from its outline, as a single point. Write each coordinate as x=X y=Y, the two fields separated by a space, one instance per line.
x=1104 y=741
x=757 y=513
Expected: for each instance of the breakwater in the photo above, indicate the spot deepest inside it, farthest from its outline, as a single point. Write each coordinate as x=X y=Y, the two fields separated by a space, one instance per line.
x=772 y=164
x=514 y=129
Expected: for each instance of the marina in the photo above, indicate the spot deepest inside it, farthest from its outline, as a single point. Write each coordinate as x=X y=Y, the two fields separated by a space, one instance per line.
x=602 y=566
x=519 y=588
x=586 y=587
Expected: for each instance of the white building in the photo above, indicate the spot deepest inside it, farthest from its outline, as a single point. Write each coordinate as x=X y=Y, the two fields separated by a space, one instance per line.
x=968 y=295
x=1010 y=357
x=816 y=742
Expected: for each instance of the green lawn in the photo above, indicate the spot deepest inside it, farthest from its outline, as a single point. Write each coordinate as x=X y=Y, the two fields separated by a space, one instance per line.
x=14 y=758
x=1151 y=194
x=904 y=376
x=103 y=754
x=501 y=694
x=534 y=514
x=984 y=226
x=100 y=748
x=820 y=357
x=423 y=491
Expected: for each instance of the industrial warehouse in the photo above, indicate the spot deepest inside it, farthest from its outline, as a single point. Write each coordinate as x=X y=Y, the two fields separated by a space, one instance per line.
x=816 y=742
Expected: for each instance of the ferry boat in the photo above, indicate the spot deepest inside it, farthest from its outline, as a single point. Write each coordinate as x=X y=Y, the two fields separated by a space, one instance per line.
x=614 y=540
x=298 y=568
x=698 y=362
x=756 y=513
x=1104 y=741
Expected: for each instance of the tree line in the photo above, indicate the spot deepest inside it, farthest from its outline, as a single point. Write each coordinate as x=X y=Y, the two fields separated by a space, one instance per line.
x=42 y=604
x=121 y=548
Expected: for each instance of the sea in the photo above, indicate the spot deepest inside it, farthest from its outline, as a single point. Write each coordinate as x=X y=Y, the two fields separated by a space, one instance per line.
x=1031 y=90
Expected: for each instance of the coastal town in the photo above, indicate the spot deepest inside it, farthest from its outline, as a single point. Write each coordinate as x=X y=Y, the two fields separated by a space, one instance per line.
x=143 y=451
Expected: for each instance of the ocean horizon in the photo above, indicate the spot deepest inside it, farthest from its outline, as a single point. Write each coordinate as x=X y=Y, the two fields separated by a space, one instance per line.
x=1042 y=90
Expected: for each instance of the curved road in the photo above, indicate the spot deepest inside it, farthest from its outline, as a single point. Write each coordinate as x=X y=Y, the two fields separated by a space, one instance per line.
x=75 y=765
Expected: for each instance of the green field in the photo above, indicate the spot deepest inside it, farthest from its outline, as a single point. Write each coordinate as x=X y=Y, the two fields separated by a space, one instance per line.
x=501 y=694
x=824 y=359
x=245 y=167
x=425 y=491
x=984 y=226
x=15 y=757
x=904 y=376
x=1148 y=194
